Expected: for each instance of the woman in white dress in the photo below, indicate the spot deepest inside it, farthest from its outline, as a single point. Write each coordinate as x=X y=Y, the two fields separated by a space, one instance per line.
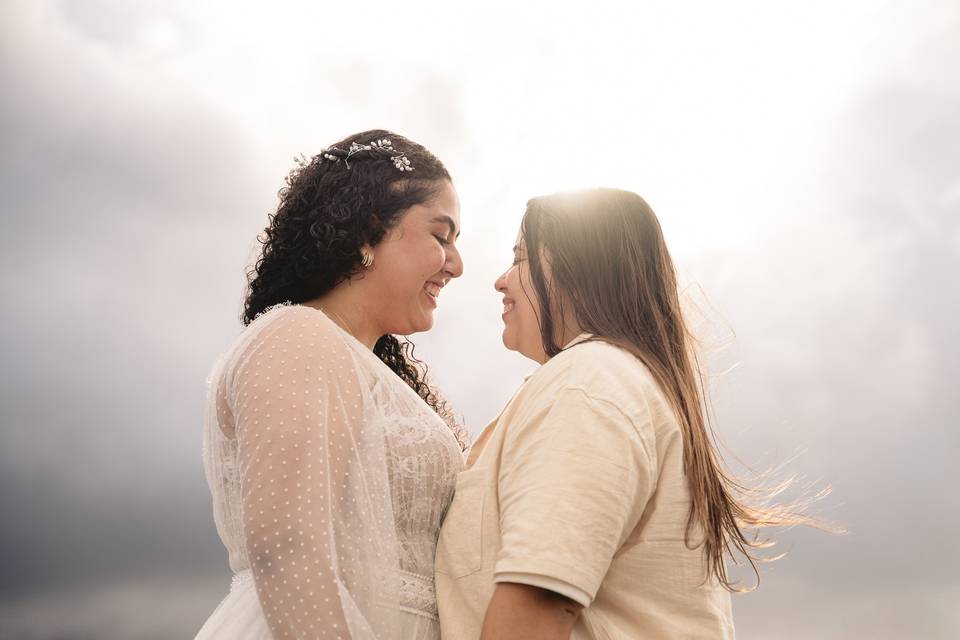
x=330 y=459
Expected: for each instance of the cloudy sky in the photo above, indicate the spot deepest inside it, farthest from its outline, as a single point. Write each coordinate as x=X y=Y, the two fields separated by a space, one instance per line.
x=804 y=160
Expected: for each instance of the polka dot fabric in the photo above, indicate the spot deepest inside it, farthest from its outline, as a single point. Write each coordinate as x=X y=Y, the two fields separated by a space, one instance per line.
x=330 y=478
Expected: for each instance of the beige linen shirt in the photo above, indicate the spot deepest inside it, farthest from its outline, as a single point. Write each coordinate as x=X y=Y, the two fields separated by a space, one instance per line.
x=578 y=486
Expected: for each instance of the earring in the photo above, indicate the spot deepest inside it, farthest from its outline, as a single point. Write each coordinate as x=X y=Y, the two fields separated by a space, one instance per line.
x=367 y=259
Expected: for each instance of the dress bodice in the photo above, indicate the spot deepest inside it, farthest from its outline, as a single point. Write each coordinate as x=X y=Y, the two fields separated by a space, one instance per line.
x=321 y=459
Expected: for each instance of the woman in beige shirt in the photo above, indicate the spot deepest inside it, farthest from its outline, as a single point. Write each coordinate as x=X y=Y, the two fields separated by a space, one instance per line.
x=595 y=504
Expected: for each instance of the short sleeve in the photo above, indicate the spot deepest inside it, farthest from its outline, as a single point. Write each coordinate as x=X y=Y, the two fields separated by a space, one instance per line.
x=317 y=517
x=573 y=483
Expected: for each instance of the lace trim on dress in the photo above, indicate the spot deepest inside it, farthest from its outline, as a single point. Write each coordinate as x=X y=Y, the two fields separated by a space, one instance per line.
x=417 y=595
x=417 y=592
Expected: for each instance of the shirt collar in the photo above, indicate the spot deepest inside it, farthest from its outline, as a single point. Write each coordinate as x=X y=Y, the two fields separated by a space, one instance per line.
x=580 y=338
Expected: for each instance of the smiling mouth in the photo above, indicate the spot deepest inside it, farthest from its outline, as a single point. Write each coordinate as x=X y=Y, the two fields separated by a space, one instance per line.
x=432 y=289
x=508 y=305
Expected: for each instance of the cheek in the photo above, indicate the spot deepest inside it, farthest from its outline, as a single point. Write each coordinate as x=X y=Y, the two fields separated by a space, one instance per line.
x=437 y=258
x=425 y=256
x=526 y=296
x=419 y=262
x=529 y=316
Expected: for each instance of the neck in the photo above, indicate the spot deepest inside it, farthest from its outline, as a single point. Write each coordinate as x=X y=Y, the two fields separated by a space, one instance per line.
x=346 y=305
x=561 y=336
x=568 y=330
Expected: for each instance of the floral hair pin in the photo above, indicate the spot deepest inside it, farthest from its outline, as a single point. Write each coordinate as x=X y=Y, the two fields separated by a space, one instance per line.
x=382 y=146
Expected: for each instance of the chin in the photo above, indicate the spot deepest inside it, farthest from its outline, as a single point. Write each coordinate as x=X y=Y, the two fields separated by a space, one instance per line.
x=422 y=324
x=415 y=322
x=508 y=340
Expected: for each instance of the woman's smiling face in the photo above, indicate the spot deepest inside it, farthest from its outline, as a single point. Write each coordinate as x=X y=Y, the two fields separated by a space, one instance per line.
x=416 y=259
x=521 y=323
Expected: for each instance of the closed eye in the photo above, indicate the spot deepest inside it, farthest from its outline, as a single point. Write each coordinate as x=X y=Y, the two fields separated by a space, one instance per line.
x=443 y=241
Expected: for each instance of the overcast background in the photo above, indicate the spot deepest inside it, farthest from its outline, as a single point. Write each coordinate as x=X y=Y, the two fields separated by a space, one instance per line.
x=804 y=159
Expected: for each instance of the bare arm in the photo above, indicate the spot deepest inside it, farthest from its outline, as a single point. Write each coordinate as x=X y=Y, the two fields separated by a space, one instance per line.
x=523 y=612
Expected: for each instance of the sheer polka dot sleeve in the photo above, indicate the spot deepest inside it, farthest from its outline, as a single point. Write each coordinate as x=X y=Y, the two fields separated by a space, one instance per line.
x=317 y=515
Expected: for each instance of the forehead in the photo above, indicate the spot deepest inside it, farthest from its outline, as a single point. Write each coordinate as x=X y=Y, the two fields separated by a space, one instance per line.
x=519 y=244
x=444 y=204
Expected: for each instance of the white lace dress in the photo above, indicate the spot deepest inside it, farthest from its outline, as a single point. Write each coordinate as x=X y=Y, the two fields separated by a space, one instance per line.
x=330 y=478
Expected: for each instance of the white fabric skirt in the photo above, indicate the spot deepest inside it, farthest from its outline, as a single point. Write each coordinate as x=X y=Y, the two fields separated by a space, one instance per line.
x=240 y=617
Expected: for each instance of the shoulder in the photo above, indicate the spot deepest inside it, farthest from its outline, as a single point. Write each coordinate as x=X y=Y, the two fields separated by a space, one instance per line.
x=289 y=316
x=594 y=397
x=287 y=334
x=610 y=375
x=600 y=368
x=297 y=325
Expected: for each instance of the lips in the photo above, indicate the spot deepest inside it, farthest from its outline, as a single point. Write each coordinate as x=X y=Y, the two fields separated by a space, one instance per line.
x=432 y=289
x=508 y=305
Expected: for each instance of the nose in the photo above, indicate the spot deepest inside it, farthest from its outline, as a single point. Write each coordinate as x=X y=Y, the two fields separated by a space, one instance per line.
x=500 y=284
x=454 y=264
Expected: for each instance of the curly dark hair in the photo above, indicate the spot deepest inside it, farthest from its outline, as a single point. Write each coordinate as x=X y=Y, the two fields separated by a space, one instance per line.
x=326 y=213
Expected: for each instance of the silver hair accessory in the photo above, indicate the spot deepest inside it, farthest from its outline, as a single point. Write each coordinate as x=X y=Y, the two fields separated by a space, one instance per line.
x=382 y=146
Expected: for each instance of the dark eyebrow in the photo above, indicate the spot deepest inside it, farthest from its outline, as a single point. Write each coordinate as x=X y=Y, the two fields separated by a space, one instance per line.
x=450 y=223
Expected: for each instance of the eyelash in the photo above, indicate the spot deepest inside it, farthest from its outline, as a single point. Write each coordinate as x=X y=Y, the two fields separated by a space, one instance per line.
x=443 y=241
x=517 y=261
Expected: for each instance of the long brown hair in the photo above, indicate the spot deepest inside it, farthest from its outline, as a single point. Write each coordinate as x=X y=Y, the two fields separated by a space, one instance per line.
x=609 y=262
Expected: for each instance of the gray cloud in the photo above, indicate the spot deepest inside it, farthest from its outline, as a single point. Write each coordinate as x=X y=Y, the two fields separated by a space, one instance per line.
x=848 y=339
x=130 y=207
